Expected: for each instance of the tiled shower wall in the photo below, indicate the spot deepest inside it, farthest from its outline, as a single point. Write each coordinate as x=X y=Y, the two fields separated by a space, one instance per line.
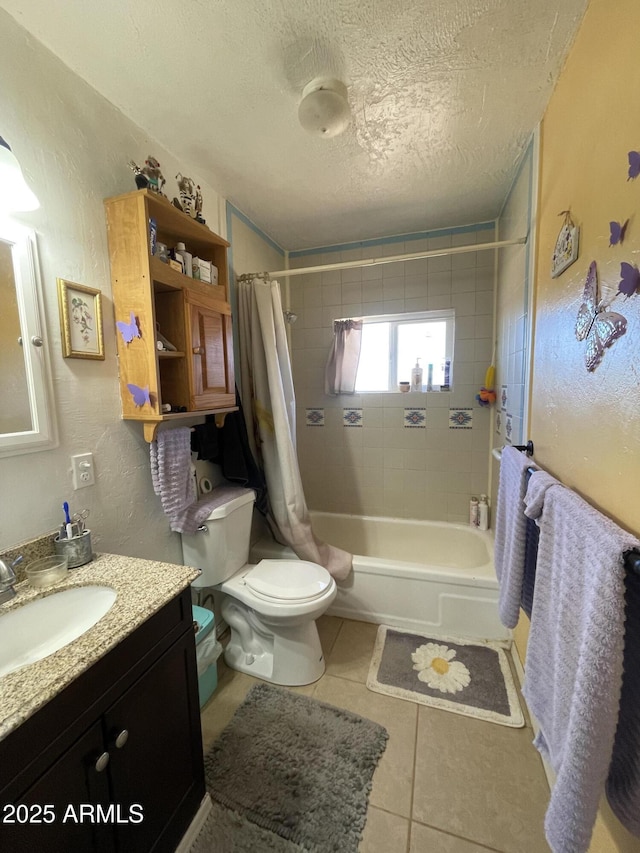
x=416 y=455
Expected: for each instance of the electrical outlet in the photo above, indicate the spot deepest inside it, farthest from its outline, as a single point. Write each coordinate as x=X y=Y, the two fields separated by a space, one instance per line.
x=83 y=471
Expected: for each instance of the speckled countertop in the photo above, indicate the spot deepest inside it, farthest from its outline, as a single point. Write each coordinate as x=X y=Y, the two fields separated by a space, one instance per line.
x=143 y=587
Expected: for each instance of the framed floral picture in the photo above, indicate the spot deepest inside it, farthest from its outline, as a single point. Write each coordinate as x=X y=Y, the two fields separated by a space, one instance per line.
x=80 y=320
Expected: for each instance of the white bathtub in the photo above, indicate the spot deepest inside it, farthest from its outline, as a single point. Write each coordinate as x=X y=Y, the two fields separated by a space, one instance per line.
x=420 y=575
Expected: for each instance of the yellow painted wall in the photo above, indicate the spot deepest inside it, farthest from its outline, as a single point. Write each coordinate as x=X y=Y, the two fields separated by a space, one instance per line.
x=586 y=426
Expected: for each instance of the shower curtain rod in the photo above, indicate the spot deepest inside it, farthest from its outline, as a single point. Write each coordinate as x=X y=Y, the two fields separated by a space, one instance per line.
x=389 y=259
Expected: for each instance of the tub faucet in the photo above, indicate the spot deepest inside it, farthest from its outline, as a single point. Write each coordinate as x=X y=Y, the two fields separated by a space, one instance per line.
x=8 y=579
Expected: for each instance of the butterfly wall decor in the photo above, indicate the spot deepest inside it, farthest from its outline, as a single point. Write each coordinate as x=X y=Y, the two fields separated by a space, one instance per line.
x=595 y=323
x=617 y=232
x=629 y=279
x=634 y=164
x=140 y=395
x=129 y=330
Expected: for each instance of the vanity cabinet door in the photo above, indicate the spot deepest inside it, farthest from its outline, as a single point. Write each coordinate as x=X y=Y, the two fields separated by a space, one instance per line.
x=70 y=783
x=155 y=744
x=211 y=376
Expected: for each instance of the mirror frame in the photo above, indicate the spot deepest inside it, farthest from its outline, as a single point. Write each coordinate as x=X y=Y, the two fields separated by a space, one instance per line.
x=26 y=269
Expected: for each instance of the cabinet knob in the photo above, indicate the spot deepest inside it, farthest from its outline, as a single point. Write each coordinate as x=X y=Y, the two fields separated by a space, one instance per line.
x=122 y=738
x=102 y=762
x=198 y=350
x=37 y=341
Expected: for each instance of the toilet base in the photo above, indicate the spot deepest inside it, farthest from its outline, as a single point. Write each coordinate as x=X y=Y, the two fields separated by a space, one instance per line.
x=290 y=655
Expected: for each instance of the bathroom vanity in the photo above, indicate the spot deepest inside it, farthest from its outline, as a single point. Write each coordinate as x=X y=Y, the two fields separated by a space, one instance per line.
x=100 y=743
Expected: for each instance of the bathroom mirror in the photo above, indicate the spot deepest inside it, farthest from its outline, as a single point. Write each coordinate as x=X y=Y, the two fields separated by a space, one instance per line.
x=26 y=410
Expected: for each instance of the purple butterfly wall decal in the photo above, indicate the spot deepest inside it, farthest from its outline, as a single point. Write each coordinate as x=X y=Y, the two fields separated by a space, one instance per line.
x=594 y=323
x=129 y=330
x=629 y=279
x=634 y=164
x=140 y=395
x=616 y=232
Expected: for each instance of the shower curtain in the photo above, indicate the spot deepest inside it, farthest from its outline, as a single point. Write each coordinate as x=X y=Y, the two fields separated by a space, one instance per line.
x=270 y=412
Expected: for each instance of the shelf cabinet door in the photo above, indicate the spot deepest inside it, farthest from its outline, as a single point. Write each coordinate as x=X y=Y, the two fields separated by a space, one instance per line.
x=210 y=333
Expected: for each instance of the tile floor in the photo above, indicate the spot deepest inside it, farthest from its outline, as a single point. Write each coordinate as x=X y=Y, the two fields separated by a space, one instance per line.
x=445 y=784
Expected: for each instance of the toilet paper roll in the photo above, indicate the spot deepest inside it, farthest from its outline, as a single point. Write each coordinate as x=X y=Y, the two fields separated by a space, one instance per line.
x=205 y=485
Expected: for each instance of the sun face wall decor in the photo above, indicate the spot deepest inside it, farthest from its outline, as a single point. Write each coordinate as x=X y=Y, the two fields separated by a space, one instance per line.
x=566 y=248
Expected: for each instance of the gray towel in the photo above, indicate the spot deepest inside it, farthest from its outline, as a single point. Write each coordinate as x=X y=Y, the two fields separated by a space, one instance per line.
x=573 y=669
x=510 y=533
x=174 y=484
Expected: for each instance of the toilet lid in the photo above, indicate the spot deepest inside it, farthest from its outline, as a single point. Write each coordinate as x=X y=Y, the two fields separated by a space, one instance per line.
x=288 y=580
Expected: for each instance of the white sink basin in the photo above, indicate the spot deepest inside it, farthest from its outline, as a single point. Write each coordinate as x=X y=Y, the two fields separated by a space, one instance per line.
x=41 y=627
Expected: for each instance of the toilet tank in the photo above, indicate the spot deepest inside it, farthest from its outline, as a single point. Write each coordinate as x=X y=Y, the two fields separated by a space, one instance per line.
x=224 y=547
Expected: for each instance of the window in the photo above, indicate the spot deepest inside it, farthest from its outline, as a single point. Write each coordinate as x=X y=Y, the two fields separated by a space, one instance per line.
x=391 y=343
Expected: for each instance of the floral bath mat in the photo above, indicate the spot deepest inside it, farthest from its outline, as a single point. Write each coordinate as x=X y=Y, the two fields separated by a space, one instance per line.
x=467 y=677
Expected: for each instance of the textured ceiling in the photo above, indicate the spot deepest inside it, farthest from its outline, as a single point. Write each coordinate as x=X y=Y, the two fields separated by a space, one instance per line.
x=444 y=96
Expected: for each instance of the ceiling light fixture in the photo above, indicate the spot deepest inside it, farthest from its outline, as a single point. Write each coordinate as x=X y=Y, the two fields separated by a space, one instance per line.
x=15 y=194
x=324 y=108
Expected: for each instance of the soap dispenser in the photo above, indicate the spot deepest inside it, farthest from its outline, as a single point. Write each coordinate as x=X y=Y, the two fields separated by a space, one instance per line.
x=416 y=377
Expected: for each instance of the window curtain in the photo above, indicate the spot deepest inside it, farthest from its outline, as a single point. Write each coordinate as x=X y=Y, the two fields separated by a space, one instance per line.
x=342 y=364
x=270 y=413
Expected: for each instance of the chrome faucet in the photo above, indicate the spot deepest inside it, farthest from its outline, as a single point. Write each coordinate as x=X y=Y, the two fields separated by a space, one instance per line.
x=8 y=579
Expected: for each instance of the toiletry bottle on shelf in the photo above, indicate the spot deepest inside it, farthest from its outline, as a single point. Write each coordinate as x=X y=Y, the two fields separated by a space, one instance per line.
x=429 y=377
x=416 y=377
x=473 y=512
x=447 y=374
x=187 y=257
x=483 y=513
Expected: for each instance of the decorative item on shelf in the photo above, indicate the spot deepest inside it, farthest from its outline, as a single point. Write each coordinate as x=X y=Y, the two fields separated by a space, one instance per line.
x=487 y=395
x=634 y=165
x=198 y=206
x=595 y=323
x=566 y=248
x=187 y=195
x=129 y=330
x=81 y=320
x=150 y=176
x=142 y=182
x=616 y=232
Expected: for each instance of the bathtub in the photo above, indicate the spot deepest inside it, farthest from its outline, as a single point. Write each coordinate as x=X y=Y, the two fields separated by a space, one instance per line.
x=419 y=575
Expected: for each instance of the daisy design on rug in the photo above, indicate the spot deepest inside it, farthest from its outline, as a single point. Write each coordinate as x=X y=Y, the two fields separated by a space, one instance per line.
x=436 y=667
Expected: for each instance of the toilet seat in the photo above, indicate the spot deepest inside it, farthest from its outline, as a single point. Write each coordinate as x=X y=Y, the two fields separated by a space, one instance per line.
x=287 y=581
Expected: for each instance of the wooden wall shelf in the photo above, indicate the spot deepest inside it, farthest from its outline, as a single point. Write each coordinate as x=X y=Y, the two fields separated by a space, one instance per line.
x=193 y=315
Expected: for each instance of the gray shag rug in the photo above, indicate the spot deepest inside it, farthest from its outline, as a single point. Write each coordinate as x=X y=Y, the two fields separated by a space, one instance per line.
x=289 y=774
x=468 y=677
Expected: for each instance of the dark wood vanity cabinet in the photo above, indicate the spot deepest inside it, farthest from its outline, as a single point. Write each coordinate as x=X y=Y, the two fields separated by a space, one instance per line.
x=116 y=758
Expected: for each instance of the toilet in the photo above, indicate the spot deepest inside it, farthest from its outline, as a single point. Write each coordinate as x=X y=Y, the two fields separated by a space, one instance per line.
x=270 y=607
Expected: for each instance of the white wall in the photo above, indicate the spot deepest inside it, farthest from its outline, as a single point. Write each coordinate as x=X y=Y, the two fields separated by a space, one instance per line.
x=513 y=319
x=74 y=148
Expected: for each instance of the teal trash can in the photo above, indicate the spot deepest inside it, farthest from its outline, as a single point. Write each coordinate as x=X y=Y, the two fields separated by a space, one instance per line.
x=207 y=652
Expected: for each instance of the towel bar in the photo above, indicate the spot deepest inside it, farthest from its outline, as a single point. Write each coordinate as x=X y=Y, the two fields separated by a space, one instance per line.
x=528 y=447
x=632 y=561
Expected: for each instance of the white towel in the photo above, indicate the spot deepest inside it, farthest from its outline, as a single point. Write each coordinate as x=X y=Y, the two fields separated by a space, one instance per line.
x=510 y=533
x=573 y=670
